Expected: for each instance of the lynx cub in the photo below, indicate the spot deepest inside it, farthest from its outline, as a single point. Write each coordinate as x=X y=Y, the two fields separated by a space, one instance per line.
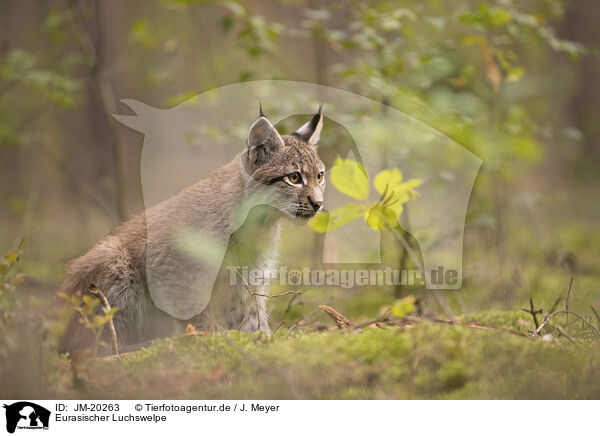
x=288 y=165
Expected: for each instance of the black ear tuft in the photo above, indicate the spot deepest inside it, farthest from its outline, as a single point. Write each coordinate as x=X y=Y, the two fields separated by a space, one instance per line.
x=311 y=131
x=260 y=114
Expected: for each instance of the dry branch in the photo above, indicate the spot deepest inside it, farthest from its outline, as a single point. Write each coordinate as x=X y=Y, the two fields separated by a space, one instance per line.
x=567 y=299
x=533 y=312
x=547 y=319
x=555 y=305
x=111 y=325
x=596 y=314
x=565 y=334
x=341 y=321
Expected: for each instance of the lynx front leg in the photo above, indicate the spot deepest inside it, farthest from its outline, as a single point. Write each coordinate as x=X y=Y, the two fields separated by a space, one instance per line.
x=256 y=316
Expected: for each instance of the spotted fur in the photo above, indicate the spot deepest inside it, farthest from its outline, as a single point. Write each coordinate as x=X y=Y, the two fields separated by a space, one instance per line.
x=117 y=265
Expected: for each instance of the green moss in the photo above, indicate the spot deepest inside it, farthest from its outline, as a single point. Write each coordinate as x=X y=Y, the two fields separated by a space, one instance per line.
x=425 y=361
x=513 y=319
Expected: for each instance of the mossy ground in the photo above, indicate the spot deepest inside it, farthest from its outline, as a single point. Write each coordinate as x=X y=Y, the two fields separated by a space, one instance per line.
x=422 y=360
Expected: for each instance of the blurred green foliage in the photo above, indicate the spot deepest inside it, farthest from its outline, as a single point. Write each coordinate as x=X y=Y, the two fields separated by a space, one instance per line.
x=350 y=178
x=469 y=69
x=32 y=84
x=86 y=306
x=476 y=71
x=9 y=282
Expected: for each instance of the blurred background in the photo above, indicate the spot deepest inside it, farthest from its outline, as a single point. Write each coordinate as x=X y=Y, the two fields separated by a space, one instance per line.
x=515 y=82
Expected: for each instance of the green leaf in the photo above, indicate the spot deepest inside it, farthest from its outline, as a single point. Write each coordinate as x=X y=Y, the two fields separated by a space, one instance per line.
x=99 y=321
x=473 y=40
x=336 y=218
x=396 y=189
x=89 y=301
x=515 y=74
x=469 y=18
x=350 y=178
x=380 y=217
x=75 y=300
x=498 y=17
x=11 y=257
x=390 y=178
x=406 y=191
x=403 y=307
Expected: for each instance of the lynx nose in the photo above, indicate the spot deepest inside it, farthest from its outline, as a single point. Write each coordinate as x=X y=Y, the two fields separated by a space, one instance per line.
x=317 y=205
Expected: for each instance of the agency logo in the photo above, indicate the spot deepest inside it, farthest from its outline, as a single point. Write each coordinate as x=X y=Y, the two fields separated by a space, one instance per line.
x=390 y=178
x=26 y=415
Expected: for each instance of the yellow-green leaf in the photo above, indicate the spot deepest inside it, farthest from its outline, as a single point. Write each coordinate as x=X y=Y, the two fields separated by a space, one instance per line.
x=515 y=74
x=336 y=218
x=380 y=218
x=11 y=257
x=406 y=191
x=396 y=188
x=390 y=178
x=473 y=40
x=499 y=17
x=75 y=301
x=403 y=307
x=99 y=321
x=350 y=178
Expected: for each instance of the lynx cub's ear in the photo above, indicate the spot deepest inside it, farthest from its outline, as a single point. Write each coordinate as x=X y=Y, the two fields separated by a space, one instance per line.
x=263 y=141
x=311 y=131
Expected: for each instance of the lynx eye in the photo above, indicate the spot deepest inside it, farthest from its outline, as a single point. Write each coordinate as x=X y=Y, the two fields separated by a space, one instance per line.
x=321 y=177
x=294 y=178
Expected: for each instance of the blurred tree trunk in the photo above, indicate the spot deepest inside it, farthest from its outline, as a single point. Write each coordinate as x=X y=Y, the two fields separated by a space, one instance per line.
x=582 y=24
x=104 y=93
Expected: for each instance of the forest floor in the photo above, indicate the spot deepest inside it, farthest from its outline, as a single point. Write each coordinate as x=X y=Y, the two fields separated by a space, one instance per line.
x=416 y=359
x=493 y=350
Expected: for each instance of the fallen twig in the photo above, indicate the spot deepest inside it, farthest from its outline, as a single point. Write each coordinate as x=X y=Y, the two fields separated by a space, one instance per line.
x=548 y=317
x=282 y=294
x=567 y=299
x=251 y=299
x=106 y=308
x=533 y=312
x=596 y=314
x=555 y=305
x=382 y=318
x=289 y=306
x=278 y=327
x=293 y=326
x=565 y=334
x=341 y=321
